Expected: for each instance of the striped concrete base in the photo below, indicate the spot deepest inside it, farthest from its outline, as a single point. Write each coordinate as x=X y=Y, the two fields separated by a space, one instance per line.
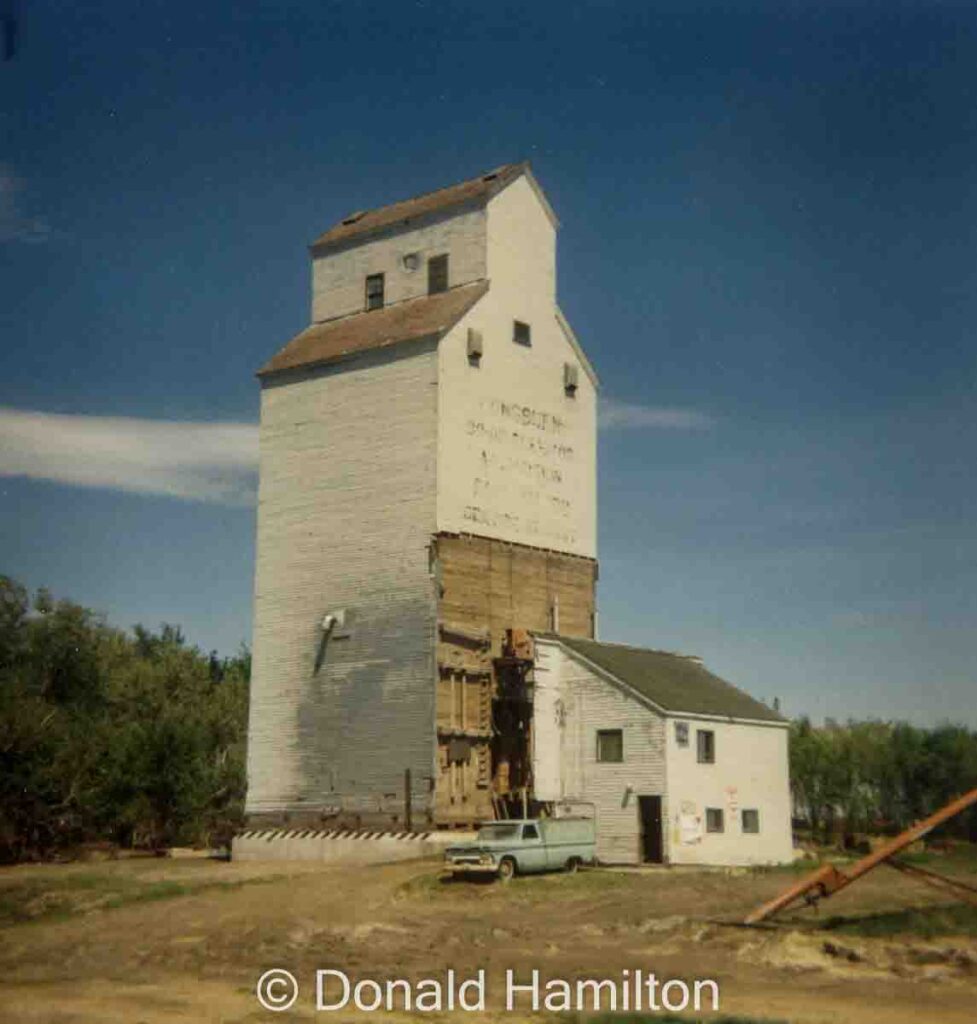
x=342 y=846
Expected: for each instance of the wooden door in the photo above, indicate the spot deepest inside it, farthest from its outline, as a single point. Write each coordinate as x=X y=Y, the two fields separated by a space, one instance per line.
x=650 y=814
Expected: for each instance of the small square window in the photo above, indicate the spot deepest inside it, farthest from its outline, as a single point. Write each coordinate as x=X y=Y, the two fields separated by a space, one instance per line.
x=610 y=745
x=682 y=734
x=705 y=745
x=530 y=832
x=751 y=820
x=437 y=274
x=714 y=819
x=374 y=291
x=521 y=333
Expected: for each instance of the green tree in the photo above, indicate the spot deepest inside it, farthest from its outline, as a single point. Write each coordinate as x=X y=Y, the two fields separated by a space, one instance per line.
x=138 y=738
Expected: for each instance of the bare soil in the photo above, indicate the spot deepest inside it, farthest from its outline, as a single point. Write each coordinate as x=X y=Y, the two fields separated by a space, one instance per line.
x=185 y=940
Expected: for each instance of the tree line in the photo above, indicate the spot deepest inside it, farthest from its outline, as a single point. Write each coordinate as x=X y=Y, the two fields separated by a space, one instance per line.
x=878 y=777
x=138 y=739
x=134 y=738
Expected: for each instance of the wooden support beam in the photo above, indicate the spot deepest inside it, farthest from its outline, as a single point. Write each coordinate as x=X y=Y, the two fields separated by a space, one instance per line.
x=408 y=810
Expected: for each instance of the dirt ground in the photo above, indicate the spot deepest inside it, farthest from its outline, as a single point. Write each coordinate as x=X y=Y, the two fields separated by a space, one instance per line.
x=157 y=941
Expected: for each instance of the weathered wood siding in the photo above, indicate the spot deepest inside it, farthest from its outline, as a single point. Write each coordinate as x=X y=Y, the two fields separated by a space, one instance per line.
x=345 y=517
x=571 y=704
x=488 y=586
x=339 y=276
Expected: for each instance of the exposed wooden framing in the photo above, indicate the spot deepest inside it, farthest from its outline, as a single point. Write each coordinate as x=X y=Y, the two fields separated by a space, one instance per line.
x=488 y=587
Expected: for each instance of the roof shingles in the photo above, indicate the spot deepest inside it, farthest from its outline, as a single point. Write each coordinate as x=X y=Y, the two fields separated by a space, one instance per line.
x=674 y=682
x=412 y=319
x=367 y=221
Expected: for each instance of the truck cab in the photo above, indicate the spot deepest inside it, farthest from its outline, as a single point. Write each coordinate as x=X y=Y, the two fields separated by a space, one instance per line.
x=525 y=846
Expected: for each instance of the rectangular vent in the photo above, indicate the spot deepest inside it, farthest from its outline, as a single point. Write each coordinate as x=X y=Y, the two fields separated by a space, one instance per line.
x=474 y=345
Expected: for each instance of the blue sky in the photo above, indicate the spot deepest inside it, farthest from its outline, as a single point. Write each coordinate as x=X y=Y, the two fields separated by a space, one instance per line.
x=769 y=221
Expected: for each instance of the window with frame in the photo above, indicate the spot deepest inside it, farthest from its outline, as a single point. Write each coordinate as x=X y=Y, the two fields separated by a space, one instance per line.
x=437 y=274
x=705 y=746
x=751 y=820
x=714 y=819
x=682 y=734
x=530 y=832
x=374 y=291
x=610 y=745
x=521 y=333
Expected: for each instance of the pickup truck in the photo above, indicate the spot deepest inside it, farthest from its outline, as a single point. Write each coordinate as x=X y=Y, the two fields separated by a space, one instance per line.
x=525 y=846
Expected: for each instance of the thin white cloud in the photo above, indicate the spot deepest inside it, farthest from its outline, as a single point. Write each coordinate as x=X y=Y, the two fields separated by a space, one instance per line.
x=614 y=415
x=16 y=225
x=213 y=462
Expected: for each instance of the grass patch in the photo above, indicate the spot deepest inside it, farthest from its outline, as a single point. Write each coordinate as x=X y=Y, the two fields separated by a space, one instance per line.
x=64 y=896
x=927 y=922
x=796 y=867
x=959 y=855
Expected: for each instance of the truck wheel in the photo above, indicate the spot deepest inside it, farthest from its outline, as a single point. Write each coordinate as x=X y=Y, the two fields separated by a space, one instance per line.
x=507 y=869
x=572 y=864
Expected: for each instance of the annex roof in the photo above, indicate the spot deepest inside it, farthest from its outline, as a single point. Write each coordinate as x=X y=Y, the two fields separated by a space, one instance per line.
x=676 y=683
x=366 y=221
x=426 y=316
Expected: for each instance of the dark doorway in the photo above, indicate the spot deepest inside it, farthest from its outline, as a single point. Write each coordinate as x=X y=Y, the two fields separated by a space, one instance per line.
x=650 y=813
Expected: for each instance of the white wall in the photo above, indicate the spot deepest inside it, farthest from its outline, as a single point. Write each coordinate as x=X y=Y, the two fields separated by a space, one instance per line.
x=750 y=771
x=339 y=276
x=345 y=515
x=516 y=456
x=570 y=705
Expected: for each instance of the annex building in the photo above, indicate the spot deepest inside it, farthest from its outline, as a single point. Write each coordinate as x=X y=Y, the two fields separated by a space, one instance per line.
x=424 y=605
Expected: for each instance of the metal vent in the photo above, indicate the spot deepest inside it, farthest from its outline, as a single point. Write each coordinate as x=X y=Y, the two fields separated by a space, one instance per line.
x=474 y=345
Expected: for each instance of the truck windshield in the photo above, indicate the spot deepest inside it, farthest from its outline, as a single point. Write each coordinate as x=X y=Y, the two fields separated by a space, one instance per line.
x=498 y=832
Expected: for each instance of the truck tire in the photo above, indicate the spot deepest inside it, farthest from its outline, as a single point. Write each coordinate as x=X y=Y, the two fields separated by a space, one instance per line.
x=571 y=865
x=507 y=869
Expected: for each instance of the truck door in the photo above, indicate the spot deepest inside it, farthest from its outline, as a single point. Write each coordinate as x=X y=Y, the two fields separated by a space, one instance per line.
x=532 y=852
x=650 y=812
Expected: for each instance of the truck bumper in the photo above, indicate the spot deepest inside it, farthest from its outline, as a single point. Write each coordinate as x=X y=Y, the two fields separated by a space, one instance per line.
x=471 y=869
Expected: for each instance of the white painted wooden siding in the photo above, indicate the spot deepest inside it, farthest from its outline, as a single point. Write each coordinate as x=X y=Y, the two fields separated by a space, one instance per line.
x=363 y=461
x=339 y=276
x=751 y=771
x=571 y=703
x=345 y=515
x=565 y=762
x=517 y=457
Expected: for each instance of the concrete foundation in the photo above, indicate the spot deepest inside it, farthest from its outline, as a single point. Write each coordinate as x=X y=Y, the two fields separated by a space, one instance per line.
x=342 y=846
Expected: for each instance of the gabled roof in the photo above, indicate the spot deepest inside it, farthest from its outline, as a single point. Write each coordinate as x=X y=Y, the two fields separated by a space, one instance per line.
x=675 y=683
x=429 y=315
x=366 y=221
